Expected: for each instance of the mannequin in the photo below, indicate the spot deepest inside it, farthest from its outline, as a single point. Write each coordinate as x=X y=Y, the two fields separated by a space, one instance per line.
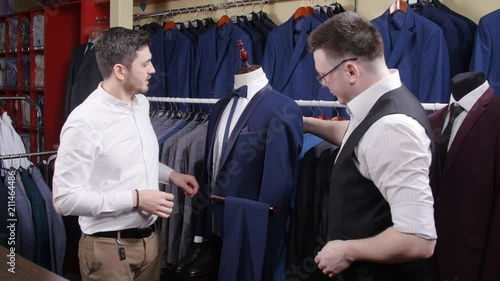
x=464 y=83
x=248 y=73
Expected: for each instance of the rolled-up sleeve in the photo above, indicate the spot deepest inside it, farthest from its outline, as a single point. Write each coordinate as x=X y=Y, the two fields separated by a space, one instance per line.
x=395 y=154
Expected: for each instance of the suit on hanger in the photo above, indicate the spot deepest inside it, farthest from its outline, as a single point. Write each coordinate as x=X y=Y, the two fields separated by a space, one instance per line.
x=486 y=54
x=173 y=59
x=455 y=42
x=467 y=195
x=259 y=165
x=217 y=59
x=83 y=77
x=417 y=48
x=57 y=233
x=290 y=67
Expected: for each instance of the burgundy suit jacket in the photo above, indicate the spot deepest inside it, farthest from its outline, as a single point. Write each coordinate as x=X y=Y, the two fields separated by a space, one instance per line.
x=467 y=195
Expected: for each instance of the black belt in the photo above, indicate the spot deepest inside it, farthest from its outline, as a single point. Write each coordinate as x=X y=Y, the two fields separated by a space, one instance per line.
x=136 y=233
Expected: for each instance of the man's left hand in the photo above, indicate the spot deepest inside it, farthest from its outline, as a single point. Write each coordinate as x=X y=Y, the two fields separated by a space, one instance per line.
x=333 y=258
x=187 y=183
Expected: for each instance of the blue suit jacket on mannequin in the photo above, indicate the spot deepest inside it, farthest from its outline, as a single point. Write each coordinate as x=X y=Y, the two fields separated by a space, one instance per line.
x=218 y=59
x=419 y=52
x=290 y=67
x=486 y=54
x=259 y=165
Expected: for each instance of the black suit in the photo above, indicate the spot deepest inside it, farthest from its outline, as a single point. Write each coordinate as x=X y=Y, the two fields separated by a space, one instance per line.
x=83 y=78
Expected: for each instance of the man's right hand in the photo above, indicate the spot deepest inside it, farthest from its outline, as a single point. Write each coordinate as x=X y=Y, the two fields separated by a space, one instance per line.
x=155 y=202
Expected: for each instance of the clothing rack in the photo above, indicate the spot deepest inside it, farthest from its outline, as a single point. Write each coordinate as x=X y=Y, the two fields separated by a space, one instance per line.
x=26 y=155
x=310 y=103
x=39 y=123
x=205 y=8
x=210 y=7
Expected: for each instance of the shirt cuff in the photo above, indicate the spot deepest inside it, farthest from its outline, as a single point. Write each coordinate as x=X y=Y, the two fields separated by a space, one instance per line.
x=414 y=218
x=123 y=201
x=164 y=172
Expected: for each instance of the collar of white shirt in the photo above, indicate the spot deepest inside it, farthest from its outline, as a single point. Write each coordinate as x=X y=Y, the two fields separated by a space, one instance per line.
x=359 y=106
x=468 y=101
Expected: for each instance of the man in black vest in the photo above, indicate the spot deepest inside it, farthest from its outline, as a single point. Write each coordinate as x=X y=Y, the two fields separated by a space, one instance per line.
x=380 y=207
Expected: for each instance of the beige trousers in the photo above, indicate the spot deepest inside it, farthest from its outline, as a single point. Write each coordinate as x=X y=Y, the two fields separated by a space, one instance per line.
x=100 y=261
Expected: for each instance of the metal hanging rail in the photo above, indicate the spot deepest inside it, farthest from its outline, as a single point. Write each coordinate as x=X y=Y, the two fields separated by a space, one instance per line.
x=26 y=155
x=311 y=103
x=203 y=8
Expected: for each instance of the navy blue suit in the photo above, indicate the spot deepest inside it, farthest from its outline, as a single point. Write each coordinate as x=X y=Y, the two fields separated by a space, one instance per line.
x=259 y=165
x=290 y=67
x=417 y=48
x=486 y=55
x=173 y=59
x=456 y=38
x=217 y=59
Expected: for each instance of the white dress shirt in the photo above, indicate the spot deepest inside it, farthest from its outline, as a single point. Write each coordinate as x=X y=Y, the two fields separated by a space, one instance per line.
x=108 y=148
x=11 y=143
x=395 y=154
x=252 y=89
x=466 y=102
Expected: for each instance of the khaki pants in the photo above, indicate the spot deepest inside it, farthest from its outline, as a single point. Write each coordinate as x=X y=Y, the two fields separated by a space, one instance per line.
x=100 y=261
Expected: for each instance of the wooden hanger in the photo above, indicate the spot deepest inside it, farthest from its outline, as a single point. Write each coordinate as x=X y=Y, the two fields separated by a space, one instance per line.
x=169 y=26
x=223 y=20
x=303 y=12
x=398 y=5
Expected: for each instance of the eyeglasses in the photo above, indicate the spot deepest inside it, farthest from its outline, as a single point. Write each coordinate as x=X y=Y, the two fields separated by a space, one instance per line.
x=321 y=78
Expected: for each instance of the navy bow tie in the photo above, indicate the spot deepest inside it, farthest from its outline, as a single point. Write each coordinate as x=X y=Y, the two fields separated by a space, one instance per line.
x=240 y=92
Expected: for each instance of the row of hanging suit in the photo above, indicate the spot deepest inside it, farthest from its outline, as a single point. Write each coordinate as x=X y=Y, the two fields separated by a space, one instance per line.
x=420 y=42
x=39 y=230
x=203 y=67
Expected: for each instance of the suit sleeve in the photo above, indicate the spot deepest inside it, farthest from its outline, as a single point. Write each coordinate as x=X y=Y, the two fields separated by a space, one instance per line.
x=283 y=146
x=69 y=84
x=481 y=54
x=269 y=60
x=490 y=270
x=435 y=70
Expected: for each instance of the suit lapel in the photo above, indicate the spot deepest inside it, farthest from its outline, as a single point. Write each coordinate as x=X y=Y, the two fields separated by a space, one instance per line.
x=405 y=37
x=242 y=121
x=477 y=110
x=226 y=37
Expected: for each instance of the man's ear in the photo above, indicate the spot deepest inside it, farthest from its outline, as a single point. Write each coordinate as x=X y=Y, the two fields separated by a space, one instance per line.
x=352 y=72
x=120 y=71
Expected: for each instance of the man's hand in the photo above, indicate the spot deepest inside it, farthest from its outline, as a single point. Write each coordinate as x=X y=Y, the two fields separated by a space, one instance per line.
x=333 y=258
x=187 y=183
x=155 y=202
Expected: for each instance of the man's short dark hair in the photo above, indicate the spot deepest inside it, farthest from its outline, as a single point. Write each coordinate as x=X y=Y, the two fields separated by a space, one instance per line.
x=347 y=35
x=118 y=45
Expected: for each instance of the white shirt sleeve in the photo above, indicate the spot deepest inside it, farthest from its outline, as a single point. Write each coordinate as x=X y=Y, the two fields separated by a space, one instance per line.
x=395 y=154
x=72 y=190
x=164 y=172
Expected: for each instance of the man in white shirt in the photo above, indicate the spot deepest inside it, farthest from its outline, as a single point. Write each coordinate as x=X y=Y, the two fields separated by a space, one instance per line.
x=107 y=170
x=380 y=212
